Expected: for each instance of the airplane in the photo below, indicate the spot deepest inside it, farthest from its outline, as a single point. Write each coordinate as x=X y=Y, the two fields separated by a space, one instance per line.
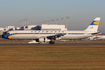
x=49 y=36
x=99 y=37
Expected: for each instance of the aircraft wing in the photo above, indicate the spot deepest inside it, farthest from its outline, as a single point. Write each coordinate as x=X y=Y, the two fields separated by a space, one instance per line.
x=56 y=36
x=97 y=33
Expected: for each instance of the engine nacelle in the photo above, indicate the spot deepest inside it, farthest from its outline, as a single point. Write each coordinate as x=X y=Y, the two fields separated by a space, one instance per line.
x=44 y=40
x=58 y=38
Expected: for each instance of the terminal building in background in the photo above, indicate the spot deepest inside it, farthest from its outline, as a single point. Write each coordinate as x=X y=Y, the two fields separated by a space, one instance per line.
x=44 y=27
x=53 y=27
x=34 y=27
x=6 y=29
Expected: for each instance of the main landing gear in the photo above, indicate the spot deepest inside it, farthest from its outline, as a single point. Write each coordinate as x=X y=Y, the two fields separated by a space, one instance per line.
x=51 y=42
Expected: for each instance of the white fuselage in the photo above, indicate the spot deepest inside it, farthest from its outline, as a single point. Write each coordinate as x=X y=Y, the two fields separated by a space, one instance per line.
x=35 y=34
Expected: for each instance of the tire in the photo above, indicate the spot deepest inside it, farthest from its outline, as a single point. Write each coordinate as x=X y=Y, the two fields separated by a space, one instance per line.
x=51 y=42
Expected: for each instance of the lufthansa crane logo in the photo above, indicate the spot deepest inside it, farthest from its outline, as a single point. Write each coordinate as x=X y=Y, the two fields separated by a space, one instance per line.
x=96 y=23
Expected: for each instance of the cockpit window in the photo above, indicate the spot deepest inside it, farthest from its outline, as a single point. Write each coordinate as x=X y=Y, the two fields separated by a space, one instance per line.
x=8 y=33
x=5 y=33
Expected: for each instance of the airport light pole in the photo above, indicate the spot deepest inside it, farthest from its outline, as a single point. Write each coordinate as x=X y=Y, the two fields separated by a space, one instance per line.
x=48 y=21
x=61 y=20
x=23 y=22
x=67 y=22
x=39 y=23
x=36 y=23
x=53 y=20
x=45 y=22
x=42 y=22
x=27 y=21
x=57 y=20
x=20 y=23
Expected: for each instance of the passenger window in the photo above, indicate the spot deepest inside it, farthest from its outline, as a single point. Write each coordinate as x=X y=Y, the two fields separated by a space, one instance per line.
x=63 y=31
x=6 y=33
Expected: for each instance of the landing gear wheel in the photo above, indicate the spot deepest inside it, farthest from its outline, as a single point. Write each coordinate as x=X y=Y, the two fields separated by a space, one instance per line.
x=51 y=42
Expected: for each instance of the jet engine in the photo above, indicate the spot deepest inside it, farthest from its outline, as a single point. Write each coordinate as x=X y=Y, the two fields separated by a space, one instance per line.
x=43 y=40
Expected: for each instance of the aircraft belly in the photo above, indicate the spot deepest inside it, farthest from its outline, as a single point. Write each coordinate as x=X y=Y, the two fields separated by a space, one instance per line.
x=74 y=36
x=36 y=36
x=29 y=36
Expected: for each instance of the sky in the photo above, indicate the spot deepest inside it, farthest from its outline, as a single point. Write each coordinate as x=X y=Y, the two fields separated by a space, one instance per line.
x=81 y=12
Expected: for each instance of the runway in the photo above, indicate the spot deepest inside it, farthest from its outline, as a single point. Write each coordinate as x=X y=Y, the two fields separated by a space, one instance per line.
x=57 y=43
x=52 y=44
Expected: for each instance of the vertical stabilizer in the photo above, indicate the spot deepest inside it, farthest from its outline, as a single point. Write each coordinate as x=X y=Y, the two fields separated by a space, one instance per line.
x=94 y=25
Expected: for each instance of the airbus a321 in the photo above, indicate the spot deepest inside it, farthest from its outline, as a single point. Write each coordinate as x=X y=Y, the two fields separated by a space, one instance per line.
x=42 y=36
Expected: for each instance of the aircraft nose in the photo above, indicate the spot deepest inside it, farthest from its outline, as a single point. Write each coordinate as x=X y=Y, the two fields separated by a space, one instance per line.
x=2 y=36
